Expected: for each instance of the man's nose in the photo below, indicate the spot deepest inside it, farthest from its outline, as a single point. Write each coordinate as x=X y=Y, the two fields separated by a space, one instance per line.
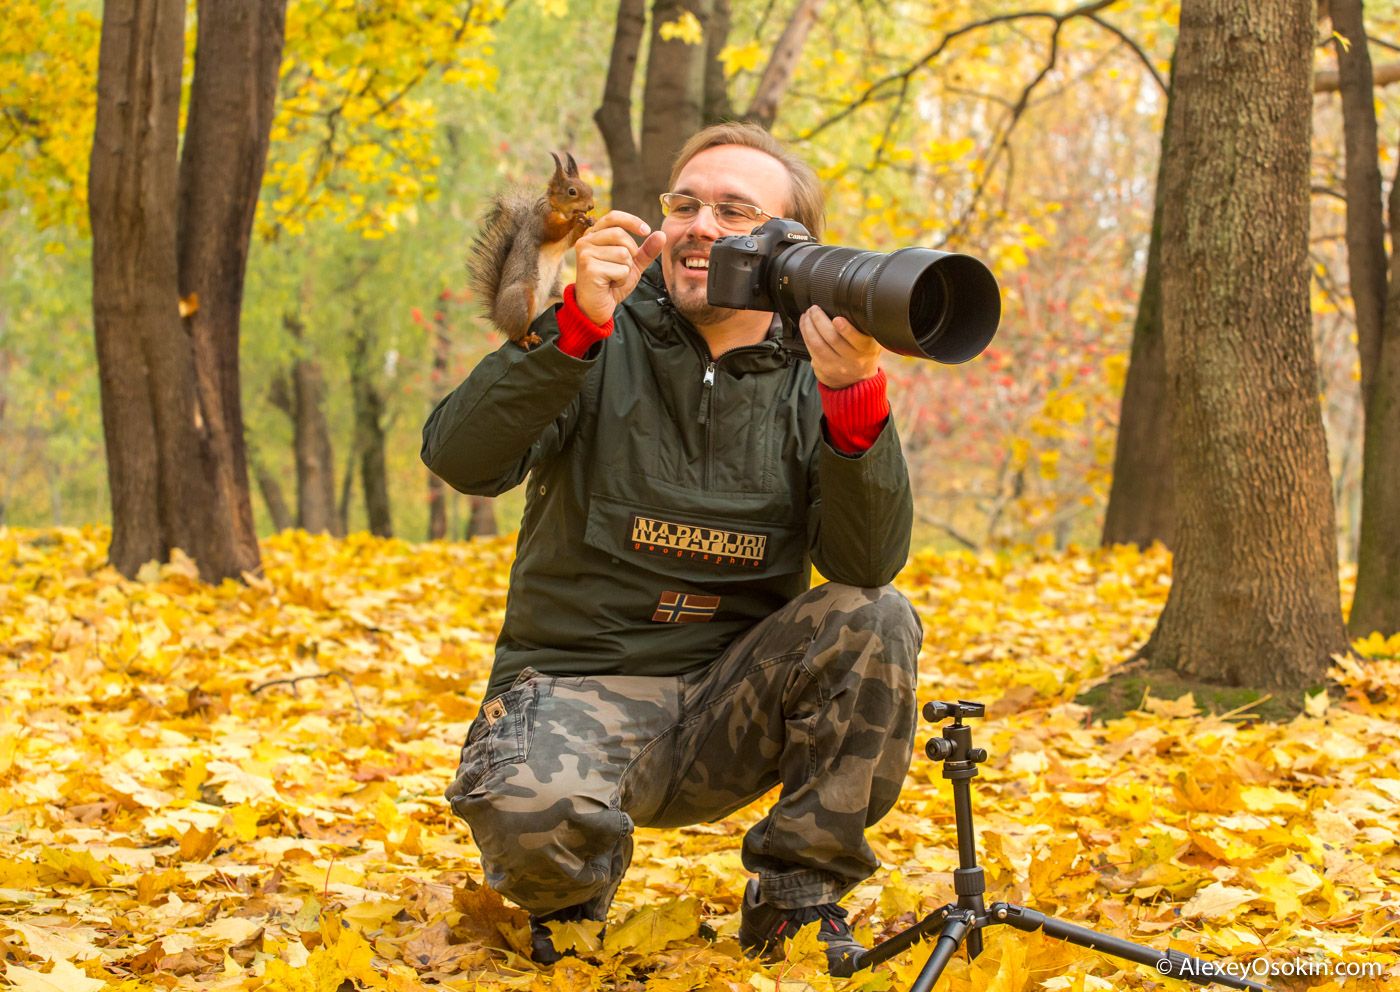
x=706 y=224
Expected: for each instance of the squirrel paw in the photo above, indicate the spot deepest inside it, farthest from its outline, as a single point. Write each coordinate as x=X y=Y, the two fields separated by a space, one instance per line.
x=529 y=341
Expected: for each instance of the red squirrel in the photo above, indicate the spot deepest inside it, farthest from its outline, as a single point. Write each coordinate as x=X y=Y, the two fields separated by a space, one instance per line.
x=515 y=260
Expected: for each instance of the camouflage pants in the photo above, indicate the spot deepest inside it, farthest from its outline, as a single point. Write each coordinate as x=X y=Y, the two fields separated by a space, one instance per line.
x=819 y=697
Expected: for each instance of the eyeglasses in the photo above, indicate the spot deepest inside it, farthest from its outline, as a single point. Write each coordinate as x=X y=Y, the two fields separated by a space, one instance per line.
x=734 y=216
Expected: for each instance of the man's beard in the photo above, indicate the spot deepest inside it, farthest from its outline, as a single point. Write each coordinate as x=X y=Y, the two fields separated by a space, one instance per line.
x=700 y=312
x=694 y=305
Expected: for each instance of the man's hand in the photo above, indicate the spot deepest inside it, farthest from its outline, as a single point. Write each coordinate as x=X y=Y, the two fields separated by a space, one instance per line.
x=841 y=355
x=610 y=262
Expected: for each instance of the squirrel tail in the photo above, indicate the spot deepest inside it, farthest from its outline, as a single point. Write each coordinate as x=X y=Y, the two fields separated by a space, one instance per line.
x=504 y=219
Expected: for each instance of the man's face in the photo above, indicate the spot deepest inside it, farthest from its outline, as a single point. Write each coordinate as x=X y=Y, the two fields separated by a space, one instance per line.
x=723 y=173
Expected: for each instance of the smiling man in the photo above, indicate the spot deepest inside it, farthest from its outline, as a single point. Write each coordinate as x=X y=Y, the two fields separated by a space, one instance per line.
x=663 y=661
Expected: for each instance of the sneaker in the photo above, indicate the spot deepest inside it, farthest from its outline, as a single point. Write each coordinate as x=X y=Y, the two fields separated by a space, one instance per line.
x=542 y=941
x=763 y=929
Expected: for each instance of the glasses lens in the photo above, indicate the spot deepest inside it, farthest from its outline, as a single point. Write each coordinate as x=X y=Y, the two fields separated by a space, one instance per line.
x=743 y=215
x=680 y=205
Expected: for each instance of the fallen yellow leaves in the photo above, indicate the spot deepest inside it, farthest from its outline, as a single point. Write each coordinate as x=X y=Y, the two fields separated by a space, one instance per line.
x=163 y=825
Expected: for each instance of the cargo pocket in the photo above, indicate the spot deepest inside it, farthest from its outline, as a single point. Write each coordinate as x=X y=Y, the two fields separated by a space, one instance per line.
x=500 y=735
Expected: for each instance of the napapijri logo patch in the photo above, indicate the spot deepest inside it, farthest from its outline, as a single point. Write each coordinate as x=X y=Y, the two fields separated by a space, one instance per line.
x=685 y=607
x=693 y=542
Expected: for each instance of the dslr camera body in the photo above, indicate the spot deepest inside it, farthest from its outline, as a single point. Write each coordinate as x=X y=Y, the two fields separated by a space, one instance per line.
x=914 y=301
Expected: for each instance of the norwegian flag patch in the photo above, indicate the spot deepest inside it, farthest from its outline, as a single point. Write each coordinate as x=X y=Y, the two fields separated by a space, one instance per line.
x=685 y=607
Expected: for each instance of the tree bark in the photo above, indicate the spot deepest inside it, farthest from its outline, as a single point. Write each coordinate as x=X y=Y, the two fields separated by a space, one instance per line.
x=165 y=235
x=672 y=107
x=1366 y=261
x=483 y=518
x=1141 y=502
x=614 y=114
x=272 y=496
x=1377 y=602
x=437 y=378
x=370 y=435
x=782 y=63
x=1254 y=598
x=716 y=105
x=305 y=404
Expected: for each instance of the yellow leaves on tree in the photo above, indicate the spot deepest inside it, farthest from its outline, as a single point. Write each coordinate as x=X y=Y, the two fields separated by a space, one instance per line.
x=352 y=136
x=48 y=99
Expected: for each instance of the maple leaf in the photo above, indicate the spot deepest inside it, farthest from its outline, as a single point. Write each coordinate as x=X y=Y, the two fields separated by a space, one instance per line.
x=62 y=977
x=653 y=927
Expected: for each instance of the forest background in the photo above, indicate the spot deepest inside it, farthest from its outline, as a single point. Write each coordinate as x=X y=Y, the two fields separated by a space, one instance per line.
x=1040 y=160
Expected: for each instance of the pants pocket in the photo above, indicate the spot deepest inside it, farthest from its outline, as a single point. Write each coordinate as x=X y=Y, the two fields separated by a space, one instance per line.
x=500 y=735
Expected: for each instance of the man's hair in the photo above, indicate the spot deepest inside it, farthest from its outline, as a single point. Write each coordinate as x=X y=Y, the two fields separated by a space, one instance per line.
x=807 y=206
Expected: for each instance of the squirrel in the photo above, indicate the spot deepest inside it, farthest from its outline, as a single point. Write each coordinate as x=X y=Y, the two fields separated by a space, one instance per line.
x=515 y=260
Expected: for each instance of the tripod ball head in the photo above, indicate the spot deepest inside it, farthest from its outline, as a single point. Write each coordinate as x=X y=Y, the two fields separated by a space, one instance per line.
x=933 y=712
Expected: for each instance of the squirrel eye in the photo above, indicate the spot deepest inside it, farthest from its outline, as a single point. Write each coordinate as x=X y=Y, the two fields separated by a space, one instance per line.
x=572 y=191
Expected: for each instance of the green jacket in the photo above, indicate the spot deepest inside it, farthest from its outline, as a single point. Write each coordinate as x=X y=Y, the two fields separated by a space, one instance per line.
x=673 y=501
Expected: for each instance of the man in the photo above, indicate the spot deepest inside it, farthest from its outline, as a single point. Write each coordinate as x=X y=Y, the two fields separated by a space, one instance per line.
x=662 y=661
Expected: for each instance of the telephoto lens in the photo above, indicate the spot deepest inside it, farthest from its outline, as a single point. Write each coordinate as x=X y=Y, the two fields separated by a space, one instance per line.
x=914 y=301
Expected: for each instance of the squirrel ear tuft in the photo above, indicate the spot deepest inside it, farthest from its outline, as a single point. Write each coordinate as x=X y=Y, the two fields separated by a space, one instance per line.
x=573 y=166
x=558 y=166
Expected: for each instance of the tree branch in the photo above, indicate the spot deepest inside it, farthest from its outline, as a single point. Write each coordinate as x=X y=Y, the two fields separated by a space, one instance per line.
x=902 y=77
x=1330 y=80
x=293 y=680
x=782 y=64
x=1134 y=46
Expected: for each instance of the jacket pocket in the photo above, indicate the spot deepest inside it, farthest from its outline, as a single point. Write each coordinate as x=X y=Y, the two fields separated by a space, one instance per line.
x=695 y=542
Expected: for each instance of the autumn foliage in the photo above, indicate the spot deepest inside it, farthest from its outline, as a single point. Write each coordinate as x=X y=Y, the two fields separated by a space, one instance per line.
x=239 y=787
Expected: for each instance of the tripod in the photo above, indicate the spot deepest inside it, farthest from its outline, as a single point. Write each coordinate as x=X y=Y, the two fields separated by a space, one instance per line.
x=963 y=921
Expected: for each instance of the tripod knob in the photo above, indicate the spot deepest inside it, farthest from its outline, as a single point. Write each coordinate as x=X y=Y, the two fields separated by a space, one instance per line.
x=933 y=712
x=938 y=749
x=977 y=755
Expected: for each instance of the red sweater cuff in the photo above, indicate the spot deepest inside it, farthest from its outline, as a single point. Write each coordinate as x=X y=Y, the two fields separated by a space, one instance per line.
x=856 y=415
x=576 y=332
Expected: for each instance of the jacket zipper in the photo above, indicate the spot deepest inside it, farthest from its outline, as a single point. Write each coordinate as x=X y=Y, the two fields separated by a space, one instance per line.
x=707 y=386
x=707 y=390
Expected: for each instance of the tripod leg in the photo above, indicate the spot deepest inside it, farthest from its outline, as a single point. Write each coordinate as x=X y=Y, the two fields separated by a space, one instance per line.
x=1171 y=963
x=950 y=938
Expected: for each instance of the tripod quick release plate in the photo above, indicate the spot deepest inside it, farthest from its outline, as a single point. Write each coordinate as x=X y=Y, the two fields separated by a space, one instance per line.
x=933 y=712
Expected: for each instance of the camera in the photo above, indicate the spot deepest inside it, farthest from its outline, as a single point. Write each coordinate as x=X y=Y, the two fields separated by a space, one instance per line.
x=914 y=301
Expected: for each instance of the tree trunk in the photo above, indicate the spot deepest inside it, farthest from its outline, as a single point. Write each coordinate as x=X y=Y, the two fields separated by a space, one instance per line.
x=168 y=233
x=304 y=403
x=1254 y=598
x=715 y=103
x=614 y=114
x=1365 y=215
x=347 y=485
x=373 y=474
x=272 y=496
x=1377 y=602
x=437 y=378
x=370 y=436
x=483 y=518
x=673 y=101
x=1141 y=502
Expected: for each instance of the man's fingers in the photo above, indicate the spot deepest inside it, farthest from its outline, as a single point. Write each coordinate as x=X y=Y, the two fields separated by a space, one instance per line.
x=650 y=248
x=618 y=254
x=621 y=219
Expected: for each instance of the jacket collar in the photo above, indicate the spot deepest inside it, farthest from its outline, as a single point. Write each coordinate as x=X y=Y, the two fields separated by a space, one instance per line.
x=651 y=306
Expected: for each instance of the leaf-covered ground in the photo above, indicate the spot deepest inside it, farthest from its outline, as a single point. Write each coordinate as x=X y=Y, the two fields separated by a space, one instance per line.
x=240 y=788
